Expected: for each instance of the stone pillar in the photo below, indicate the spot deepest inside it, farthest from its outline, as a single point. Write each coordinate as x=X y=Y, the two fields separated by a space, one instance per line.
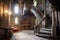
x=53 y=23
x=28 y=5
x=21 y=4
x=44 y=1
x=0 y=8
x=9 y=13
x=57 y=28
x=0 y=12
x=57 y=19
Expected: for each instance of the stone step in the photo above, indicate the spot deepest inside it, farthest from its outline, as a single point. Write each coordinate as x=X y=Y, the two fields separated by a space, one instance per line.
x=43 y=35
x=44 y=32
x=46 y=29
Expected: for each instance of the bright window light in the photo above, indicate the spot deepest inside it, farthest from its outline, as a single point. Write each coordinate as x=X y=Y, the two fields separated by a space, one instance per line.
x=35 y=3
x=5 y=11
x=16 y=9
x=16 y=21
x=10 y=12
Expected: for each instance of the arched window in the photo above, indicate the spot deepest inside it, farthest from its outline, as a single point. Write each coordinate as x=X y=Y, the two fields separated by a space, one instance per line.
x=16 y=9
x=16 y=21
x=35 y=2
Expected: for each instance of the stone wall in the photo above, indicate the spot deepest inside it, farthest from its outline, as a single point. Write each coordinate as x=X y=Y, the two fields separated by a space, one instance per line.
x=3 y=15
x=28 y=23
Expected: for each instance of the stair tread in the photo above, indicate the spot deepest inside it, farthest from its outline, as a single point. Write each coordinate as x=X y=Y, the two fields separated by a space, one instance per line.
x=45 y=31
x=43 y=35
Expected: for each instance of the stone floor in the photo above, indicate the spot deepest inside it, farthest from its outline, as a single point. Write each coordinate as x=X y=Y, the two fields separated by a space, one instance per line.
x=26 y=35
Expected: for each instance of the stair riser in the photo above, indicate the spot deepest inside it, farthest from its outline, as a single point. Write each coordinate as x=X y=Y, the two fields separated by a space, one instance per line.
x=45 y=36
x=45 y=33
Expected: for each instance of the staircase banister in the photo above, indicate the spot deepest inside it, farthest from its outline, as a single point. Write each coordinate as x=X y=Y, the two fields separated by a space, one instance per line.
x=38 y=10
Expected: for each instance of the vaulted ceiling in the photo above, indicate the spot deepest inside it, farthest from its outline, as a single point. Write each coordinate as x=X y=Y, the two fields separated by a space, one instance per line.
x=55 y=3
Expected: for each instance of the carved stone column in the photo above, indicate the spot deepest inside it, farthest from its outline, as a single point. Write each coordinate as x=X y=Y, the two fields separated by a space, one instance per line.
x=21 y=5
x=44 y=1
x=53 y=23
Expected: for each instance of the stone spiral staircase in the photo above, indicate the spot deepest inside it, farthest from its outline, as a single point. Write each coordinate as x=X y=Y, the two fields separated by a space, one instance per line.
x=44 y=32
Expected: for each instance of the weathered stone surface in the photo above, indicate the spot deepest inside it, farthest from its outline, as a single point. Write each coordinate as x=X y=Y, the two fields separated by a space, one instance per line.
x=26 y=35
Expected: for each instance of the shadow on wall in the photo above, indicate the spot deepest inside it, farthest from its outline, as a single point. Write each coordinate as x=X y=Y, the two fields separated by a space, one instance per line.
x=28 y=20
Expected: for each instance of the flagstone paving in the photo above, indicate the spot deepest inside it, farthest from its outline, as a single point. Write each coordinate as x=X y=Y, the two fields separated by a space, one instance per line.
x=26 y=35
